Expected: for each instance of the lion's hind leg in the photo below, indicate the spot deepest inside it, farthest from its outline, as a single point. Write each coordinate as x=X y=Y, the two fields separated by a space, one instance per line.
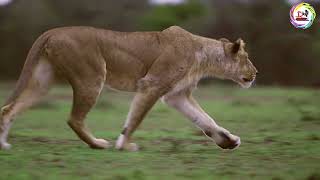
x=85 y=96
x=38 y=85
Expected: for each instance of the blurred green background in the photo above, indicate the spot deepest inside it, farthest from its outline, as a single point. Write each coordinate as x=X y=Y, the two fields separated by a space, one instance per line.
x=283 y=54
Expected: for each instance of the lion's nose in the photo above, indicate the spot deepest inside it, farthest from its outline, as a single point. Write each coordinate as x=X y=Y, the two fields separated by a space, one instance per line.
x=257 y=73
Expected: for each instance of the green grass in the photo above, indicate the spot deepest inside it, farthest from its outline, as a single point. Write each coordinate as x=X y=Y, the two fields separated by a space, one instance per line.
x=279 y=129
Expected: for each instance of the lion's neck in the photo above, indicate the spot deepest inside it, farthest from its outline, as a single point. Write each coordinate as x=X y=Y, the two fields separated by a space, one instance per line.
x=210 y=59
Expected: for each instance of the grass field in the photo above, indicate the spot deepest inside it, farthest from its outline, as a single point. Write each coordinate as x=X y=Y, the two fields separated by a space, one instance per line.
x=279 y=130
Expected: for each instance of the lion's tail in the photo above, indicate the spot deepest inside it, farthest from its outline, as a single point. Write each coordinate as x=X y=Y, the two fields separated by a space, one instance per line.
x=30 y=64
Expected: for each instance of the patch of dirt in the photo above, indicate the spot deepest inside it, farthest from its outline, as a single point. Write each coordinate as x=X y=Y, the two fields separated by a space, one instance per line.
x=276 y=178
x=177 y=145
x=45 y=140
x=268 y=140
x=313 y=137
x=53 y=141
x=314 y=176
x=119 y=177
x=189 y=161
x=310 y=118
x=187 y=141
x=271 y=140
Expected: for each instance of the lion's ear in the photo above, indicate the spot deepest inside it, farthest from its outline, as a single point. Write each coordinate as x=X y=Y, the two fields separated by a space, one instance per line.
x=238 y=45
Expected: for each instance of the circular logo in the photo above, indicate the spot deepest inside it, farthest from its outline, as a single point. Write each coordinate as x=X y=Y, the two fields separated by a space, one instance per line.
x=302 y=15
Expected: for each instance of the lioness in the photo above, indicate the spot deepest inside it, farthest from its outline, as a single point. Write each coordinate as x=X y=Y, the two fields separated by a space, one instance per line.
x=166 y=64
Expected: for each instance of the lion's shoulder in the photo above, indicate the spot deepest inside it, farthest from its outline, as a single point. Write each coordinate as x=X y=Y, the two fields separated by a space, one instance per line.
x=176 y=30
x=182 y=40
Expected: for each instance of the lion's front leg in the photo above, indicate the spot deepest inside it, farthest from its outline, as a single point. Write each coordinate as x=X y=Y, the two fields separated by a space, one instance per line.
x=185 y=104
x=141 y=104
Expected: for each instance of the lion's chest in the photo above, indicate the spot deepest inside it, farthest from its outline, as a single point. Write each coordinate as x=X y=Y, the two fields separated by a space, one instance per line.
x=189 y=81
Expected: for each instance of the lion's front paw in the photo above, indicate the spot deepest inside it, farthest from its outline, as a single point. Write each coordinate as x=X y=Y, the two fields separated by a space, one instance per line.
x=100 y=144
x=228 y=140
x=5 y=146
x=132 y=147
x=122 y=144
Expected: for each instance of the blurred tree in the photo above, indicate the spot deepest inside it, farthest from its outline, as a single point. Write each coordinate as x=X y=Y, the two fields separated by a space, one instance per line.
x=21 y=23
x=162 y=16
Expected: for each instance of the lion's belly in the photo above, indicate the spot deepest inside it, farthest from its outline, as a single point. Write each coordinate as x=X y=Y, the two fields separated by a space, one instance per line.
x=121 y=83
x=123 y=71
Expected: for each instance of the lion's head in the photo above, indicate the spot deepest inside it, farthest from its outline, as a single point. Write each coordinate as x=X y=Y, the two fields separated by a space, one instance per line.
x=238 y=67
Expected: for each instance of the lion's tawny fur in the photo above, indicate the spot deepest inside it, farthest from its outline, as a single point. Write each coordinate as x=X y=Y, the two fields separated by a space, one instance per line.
x=166 y=64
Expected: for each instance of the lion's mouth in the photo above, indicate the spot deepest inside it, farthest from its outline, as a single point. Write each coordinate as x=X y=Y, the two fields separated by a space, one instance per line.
x=247 y=80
